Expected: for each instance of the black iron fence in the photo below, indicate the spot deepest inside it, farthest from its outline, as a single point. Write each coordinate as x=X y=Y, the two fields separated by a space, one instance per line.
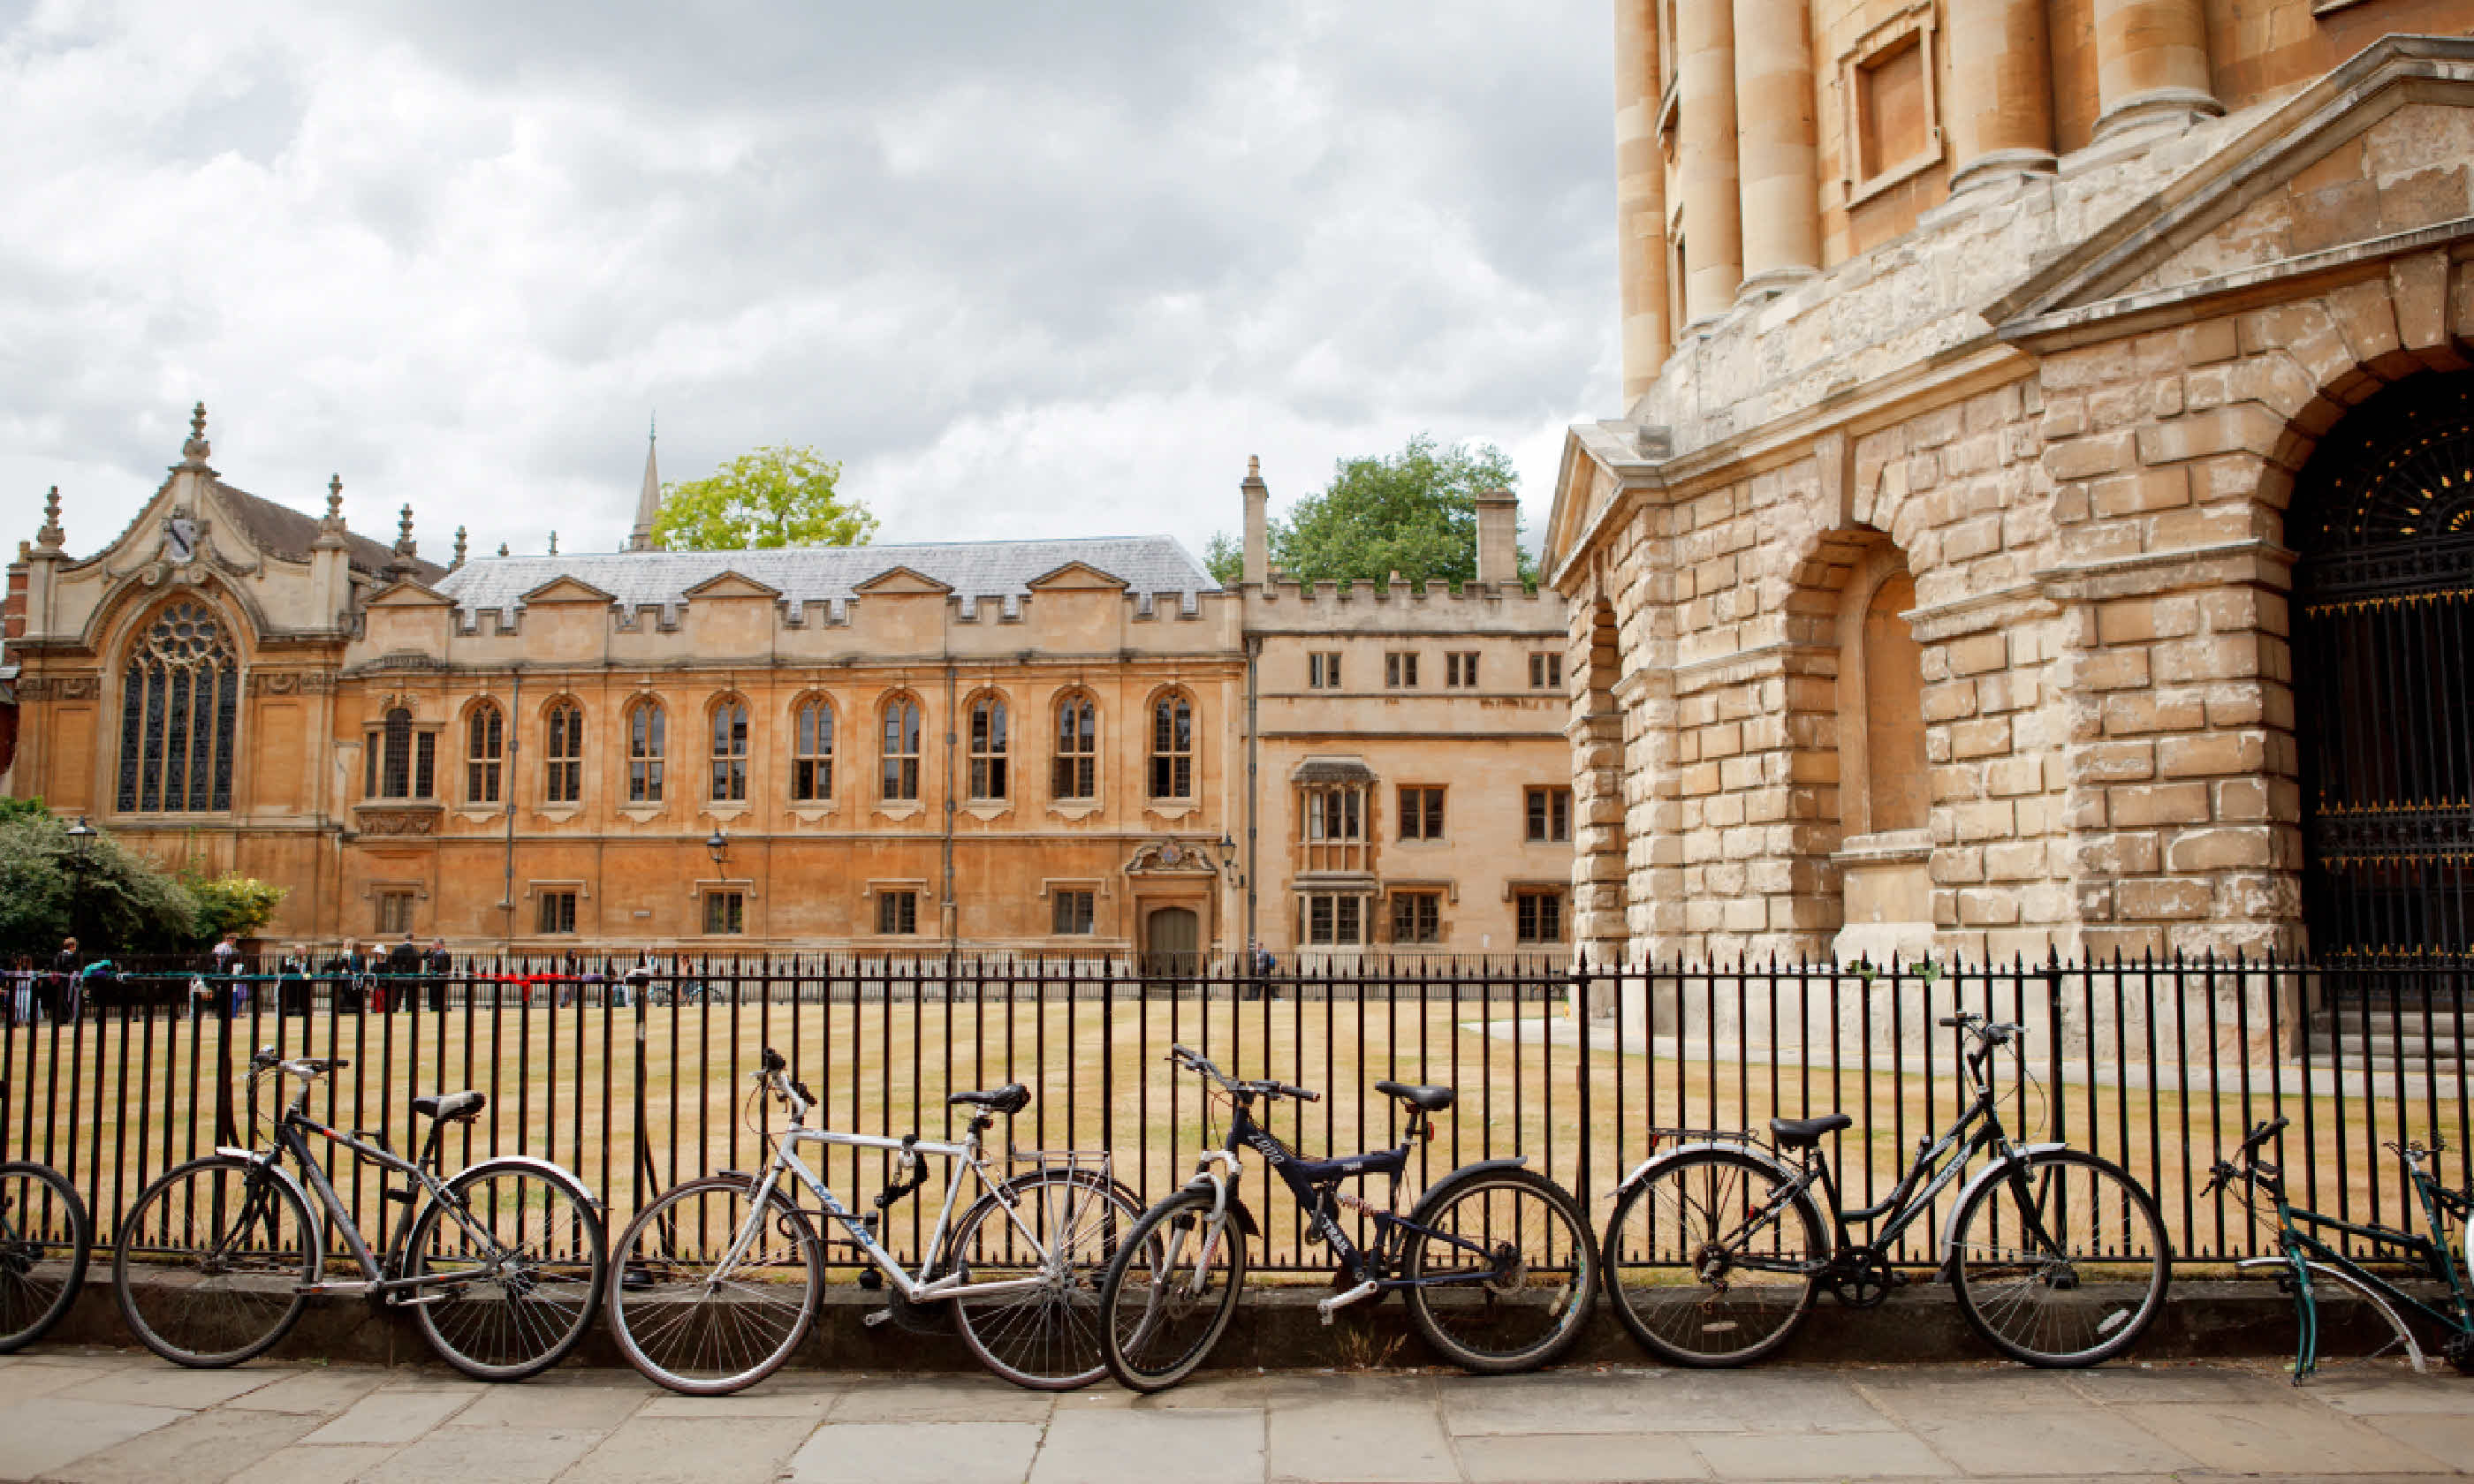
x=637 y=1075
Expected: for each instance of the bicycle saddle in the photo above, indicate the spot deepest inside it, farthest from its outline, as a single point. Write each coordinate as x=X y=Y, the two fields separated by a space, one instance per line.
x=452 y=1105
x=1805 y=1133
x=1012 y=1098
x=1421 y=1096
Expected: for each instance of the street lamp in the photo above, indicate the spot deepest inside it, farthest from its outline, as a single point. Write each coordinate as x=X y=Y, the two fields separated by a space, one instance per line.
x=1228 y=859
x=83 y=833
x=716 y=845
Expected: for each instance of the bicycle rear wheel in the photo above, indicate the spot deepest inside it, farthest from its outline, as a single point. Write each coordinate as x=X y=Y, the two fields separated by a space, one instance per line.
x=212 y=1259
x=44 y=1239
x=2060 y=1259
x=1696 y=1284
x=520 y=1250
x=1503 y=1273
x=1046 y=1337
x=1169 y=1292
x=698 y=1311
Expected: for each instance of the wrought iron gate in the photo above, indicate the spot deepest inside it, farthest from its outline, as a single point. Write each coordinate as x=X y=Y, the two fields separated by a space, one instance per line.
x=2383 y=626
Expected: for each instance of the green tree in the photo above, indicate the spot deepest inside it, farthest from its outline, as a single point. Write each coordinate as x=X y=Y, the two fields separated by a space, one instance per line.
x=1224 y=560
x=776 y=497
x=117 y=899
x=1413 y=513
x=230 y=902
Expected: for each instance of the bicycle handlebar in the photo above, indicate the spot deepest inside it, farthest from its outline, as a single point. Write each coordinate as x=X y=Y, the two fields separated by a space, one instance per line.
x=1195 y=1061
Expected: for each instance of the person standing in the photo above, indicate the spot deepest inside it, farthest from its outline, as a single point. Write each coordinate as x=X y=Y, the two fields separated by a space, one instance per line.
x=21 y=991
x=346 y=968
x=402 y=968
x=64 y=982
x=226 y=973
x=440 y=963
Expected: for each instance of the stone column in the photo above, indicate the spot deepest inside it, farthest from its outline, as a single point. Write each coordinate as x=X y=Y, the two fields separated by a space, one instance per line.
x=1641 y=198
x=2001 y=91
x=1498 y=540
x=1781 y=192
x=1259 y=508
x=2151 y=63
x=1713 y=242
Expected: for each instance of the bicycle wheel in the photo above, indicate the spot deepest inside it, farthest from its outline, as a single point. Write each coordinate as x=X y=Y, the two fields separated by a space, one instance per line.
x=697 y=1323
x=1046 y=1337
x=1692 y=1282
x=1169 y=1292
x=521 y=1249
x=2064 y=1264
x=44 y=1238
x=1525 y=1270
x=212 y=1260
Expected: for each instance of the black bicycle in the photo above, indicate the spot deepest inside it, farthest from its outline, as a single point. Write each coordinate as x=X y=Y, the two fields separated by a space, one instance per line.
x=1494 y=1263
x=500 y=1264
x=1718 y=1247
x=46 y=1237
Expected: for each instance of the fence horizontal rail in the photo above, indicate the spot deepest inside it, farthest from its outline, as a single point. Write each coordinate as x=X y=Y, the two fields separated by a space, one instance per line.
x=637 y=1075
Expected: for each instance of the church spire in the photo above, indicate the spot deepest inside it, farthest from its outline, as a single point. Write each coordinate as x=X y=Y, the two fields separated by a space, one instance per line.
x=649 y=502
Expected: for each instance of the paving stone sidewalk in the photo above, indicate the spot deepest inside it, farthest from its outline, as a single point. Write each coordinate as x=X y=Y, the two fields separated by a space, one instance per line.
x=106 y=1417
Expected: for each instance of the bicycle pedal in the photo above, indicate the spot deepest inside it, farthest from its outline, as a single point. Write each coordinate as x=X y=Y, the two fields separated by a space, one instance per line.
x=877 y=1317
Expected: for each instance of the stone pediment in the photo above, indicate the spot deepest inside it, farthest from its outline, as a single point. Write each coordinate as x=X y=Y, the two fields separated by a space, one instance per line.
x=732 y=584
x=565 y=589
x=2367 y=163
x=409 y=594
x=900 y=579
x=1075 y=577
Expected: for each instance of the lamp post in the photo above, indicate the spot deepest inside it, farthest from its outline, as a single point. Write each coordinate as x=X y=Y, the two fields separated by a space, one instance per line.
x=82 y=837
x=1228 y=851
x=717 y=846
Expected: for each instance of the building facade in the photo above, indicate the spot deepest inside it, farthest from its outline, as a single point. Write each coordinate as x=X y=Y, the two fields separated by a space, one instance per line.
x=2039 y=520
x=1061 y=746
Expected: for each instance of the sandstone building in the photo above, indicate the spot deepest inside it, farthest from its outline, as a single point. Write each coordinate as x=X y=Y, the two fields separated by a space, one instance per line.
x=2042 y=515
x=1019 y=746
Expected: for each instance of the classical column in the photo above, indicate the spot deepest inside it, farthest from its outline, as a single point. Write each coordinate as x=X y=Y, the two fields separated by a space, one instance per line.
x=2000 y=90
x=2151 y=63
x=1641 y=198
x=1781 y=198
x=1713 y=241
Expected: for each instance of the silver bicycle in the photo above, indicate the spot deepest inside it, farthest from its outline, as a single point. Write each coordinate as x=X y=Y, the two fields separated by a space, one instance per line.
x=714 y=1284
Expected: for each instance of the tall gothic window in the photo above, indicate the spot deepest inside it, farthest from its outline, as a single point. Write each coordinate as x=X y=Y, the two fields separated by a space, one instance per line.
x=729 y=752
x=988 y=748
x=1173 y=748
x=900 y=749
x=399 y=762
x=562 y=777
x=484 y=752
x=812 y=752
x=180 y=709
x=1075 y=773
x=647 y=747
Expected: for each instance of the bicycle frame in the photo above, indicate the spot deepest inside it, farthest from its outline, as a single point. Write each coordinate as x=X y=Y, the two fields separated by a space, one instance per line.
x=2431 y=1255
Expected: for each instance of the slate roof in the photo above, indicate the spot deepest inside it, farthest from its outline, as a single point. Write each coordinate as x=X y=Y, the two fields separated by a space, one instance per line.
x=831 y=574
x=285 y=532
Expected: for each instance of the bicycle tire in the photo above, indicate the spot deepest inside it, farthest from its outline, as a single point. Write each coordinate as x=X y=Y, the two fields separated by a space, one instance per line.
x=2008 y=1293
x=197 y=1309
x=1147 y=1342
x=734 y=1331
x=1491 y=1326
x=522 y=1322
x=1049 y=1339
x=45 y=1241
x=1675 y=1311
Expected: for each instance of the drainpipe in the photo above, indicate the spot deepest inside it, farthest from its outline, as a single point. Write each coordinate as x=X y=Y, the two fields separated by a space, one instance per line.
x=507 y=791
x=951 y=914
x=1253 y=762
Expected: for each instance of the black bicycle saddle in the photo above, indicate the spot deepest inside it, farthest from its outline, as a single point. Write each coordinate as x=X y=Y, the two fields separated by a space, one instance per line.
x=1805 y=1133
x=1012 y=1098
x=1425 y=1097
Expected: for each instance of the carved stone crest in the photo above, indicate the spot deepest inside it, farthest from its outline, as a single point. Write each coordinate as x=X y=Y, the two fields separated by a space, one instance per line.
x=1170 y=857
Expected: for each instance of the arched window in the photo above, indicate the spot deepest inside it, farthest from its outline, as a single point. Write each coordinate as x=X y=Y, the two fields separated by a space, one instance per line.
x=180 y=707
x=562 y=759
x=901 y=749
x=1173 y=748
x=812 y=752
x=399 y=762
x=1075 y=771
x=988 y=748
x=729 y=752
x=485 y=743
x=647 y=750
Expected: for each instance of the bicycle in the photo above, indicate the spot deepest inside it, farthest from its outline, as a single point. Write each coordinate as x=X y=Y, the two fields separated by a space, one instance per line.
x=2308 y=1262
x=1495 y=1261
x=500 y=1265
x=718 y=1281
x=1717 y=1248
x=45 y=1238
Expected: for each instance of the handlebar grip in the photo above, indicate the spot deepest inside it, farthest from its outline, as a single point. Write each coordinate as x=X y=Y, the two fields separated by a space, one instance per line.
x=1302 y=1095
x=2265 y=1132
x=1957 y=1022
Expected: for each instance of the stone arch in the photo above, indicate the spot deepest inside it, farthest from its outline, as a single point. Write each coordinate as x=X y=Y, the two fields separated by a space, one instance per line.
x=175 y=679
x=1882 y=859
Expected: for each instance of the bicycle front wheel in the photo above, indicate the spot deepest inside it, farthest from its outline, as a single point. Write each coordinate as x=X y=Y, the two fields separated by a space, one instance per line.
x=44 y=1239
x=1169 y=1292
x=212 y=1260
x=1501 y=1271
x=515 y=1260
x=1696 y=1282
x=709 y=1295
x=2059 y=1260
x=1045 y=1334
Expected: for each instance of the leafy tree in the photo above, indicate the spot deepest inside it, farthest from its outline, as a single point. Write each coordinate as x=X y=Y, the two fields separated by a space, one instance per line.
x=776 y=497
x=230 y=902
x=1413 y=513
x=1224 y=560
x=117 y=900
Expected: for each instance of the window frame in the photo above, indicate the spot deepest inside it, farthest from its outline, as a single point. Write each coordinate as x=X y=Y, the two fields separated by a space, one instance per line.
x=1322 y=915
x=397 y=909
x=485 y=723
x=1421 y=811
x=1171 y=710
x=1546 y=806
x=898 y=771
x=1069 y=762
x=1074 y=912
x=734 y=917
x=988 y=741
x=1401 y=670
x=897 y=912
x=730 y=739
x=648 y=748
x=1423 y=935
x=1460 y=669
x=170 y=755
x=563 y=725
x=554 y=916
x=1322 y=669
x=1534 y=908
x=1545 y=670
x=812 y=737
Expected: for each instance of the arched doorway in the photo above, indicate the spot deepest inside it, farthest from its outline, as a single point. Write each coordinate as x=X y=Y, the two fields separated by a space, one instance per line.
x=2383 y=629
x=1172 y=943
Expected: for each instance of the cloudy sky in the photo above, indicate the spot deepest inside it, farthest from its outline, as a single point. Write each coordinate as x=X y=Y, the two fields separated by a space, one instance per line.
x=1028 y=269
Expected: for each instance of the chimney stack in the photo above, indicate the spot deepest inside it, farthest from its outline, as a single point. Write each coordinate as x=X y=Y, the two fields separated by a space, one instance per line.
x=1498 y=548
x=1258 y=517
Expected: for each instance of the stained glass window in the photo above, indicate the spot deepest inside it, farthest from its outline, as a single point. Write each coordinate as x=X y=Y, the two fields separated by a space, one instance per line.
x=179 y=713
